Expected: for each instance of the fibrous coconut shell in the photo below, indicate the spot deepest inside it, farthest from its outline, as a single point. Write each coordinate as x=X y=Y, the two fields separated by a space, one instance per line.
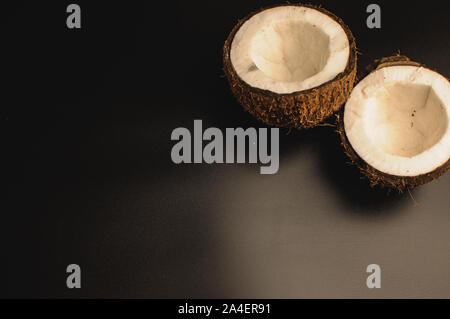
x=304 y=109
x=376 y=177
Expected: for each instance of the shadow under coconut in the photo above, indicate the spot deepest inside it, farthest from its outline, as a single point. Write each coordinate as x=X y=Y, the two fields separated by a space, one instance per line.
x=323 y=142
x=358 y=197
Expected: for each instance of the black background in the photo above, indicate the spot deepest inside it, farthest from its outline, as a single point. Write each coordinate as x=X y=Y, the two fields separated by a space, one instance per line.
x=86 y=117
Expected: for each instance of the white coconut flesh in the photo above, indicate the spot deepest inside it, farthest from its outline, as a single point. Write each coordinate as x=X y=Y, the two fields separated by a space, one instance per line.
x=289 y=49
x=397 y=120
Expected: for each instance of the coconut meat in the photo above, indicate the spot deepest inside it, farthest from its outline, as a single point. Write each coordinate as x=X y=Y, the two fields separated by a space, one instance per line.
x=397 y=120
x=289 y=49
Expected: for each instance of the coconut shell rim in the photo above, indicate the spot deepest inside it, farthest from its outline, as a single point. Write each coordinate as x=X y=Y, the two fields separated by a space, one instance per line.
x=350 y=67
x=384 y=179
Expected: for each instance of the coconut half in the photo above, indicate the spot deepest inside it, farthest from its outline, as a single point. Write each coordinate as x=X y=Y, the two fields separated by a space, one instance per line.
x=291 y=65
x=396 y=124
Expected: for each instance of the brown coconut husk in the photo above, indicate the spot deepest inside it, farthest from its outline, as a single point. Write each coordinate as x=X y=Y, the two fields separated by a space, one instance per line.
x=376 y=177
x=304 y=109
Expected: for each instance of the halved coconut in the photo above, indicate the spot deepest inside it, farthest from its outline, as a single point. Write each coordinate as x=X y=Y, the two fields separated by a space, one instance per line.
x=291 y=65
x=395 y=125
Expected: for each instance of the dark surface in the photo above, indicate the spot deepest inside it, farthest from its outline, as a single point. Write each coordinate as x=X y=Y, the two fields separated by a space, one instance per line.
x=86 y=117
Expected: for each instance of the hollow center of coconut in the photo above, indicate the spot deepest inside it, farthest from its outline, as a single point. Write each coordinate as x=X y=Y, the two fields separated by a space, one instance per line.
x=397 y=120
x=289 y=49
